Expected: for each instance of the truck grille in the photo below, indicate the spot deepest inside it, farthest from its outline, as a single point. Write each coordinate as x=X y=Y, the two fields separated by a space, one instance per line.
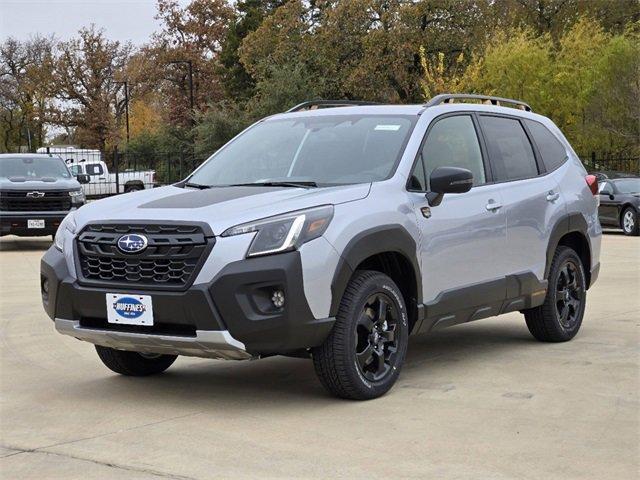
x=171 y=260
x=35 y=201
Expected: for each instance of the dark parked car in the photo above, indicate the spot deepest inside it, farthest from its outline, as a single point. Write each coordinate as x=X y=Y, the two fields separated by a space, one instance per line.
x=620 y=204
x=36 y=193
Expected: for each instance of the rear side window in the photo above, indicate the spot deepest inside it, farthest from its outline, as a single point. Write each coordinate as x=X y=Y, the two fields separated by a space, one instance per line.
x=552 y=151
x=94 y=169
x=509 y=148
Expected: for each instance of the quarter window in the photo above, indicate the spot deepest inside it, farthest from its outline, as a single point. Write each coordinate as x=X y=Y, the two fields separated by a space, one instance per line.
x=552 y=151
x=509 y=148
x=453 y=142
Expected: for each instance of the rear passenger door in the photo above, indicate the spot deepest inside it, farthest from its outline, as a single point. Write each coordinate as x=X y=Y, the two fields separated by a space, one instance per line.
x=531 y=197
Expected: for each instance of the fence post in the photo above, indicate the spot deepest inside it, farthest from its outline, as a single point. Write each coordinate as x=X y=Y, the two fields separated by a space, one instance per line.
x=116 y=169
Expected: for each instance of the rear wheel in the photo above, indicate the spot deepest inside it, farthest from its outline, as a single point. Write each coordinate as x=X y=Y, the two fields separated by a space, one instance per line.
x=133 y=188
x=559 y=318
x=362 y=357
x=629 y=222
x=133 y=363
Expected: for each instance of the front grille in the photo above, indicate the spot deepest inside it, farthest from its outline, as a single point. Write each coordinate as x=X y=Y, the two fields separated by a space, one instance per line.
x=19 y=201
x=171 y=260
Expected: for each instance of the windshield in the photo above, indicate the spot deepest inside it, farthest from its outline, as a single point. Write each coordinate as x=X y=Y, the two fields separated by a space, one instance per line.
x=628 y=185
x=33 y=168
x=325 y=150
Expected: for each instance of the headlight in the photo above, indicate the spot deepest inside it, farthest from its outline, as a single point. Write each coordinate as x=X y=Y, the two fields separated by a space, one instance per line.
x=68 y=224
x=77 y=197
x=284 y=232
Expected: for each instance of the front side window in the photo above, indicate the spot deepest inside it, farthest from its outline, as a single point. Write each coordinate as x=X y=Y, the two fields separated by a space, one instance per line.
x=327 y=150
x=453 y=142
x=628 y=185
x=551 y=150
x=509 y=148
x=33 y=168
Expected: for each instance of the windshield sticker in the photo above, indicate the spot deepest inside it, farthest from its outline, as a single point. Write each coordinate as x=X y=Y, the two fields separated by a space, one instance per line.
x=388 y=128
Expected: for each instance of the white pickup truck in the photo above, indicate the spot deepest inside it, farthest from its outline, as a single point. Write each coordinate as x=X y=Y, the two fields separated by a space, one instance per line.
x=103 y=183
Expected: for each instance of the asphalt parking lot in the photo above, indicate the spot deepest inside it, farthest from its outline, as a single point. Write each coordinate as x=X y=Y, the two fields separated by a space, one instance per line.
x=478 y=401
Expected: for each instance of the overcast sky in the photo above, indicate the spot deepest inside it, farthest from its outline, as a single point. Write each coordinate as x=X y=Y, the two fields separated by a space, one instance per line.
x=121 y=19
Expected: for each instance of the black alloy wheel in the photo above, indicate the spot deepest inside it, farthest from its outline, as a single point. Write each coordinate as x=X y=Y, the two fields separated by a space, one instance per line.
x=375 y=337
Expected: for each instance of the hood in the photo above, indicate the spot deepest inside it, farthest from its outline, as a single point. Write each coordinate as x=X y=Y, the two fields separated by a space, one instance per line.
x=220 y=207
x=21 y=183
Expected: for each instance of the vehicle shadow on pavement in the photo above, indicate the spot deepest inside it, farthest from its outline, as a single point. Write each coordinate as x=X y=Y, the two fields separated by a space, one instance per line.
x=280 y=382
x=15 y=244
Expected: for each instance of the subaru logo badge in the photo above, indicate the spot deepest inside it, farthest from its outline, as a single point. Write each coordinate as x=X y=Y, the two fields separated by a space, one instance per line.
x=132 y=243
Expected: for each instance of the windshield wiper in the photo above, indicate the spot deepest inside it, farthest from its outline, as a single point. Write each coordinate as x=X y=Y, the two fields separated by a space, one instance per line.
x=197 y=185
x=277 y=183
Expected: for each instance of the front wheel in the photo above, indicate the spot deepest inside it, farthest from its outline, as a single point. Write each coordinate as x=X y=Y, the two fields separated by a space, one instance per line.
x=629 y=222
x=362 y=357
x=133 y=363
x=559 y=318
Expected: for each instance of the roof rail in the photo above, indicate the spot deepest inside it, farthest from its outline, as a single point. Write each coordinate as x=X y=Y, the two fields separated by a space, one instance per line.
x=315 y=104
x=452 y=97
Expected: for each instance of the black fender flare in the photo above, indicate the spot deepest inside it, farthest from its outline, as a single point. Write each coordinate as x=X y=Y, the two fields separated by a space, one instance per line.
x=385 y=238
x=574 y=222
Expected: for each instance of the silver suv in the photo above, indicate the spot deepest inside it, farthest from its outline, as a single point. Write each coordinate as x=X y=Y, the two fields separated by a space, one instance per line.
x=334 y=233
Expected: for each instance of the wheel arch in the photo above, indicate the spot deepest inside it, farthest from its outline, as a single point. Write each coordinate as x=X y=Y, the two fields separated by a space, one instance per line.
x=387 y=249
x=571 y=231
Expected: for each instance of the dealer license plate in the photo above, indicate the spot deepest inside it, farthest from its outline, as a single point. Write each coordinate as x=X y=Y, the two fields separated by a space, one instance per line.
x=129 y=309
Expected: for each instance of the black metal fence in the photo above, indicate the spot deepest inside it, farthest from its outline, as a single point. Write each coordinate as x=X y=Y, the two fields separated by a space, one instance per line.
x=116 y=172
x=611 y=163
x=120 y=171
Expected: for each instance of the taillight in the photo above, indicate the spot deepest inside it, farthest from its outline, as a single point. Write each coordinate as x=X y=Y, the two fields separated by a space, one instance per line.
x=592 y=182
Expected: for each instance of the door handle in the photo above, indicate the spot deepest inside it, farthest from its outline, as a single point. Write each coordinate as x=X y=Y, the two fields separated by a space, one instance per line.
x=552 y=196
x=492 y=206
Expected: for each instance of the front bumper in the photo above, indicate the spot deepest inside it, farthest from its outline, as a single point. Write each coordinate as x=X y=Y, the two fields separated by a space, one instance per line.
x=229 y=317
x=12 y=223
x=205 y=343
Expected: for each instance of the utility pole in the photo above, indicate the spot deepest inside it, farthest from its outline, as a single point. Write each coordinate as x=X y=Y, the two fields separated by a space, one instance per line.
x=126 y=106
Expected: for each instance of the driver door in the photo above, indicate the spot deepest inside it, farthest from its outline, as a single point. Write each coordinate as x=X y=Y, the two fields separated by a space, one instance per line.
x=463 y=237
x=608 y=210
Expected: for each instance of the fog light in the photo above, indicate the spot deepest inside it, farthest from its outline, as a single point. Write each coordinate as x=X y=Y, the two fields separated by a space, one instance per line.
x=277 y=298
x=45 y=288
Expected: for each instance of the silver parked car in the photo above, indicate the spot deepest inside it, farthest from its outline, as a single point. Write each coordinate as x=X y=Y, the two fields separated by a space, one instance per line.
x=334 y=233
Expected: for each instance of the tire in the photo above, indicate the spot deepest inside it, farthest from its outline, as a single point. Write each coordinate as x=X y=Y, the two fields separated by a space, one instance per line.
x=550 y=322
x=133 y=188
x=629 y=222
x=362 y=356
x=132 y=363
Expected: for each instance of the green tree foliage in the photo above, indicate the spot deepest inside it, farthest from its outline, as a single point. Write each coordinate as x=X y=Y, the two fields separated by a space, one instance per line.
x=576 y=61
x=587 y=82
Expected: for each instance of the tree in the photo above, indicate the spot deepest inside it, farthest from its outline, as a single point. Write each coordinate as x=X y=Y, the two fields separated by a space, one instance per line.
x=25 y=91
x=248 y=15
x=85 y=77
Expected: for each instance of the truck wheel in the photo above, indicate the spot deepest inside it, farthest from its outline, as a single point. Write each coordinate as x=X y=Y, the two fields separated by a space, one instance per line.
x=133 y=363
x=133 y=188
x=559 y=318
x=629 y=222
x=362 y=356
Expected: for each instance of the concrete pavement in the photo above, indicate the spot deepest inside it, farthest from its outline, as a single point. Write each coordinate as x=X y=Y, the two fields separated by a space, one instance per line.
x=478 y=401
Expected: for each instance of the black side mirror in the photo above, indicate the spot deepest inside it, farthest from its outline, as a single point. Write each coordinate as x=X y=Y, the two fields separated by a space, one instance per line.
x=83 y=178
x=612 y=196
x=448 y=180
